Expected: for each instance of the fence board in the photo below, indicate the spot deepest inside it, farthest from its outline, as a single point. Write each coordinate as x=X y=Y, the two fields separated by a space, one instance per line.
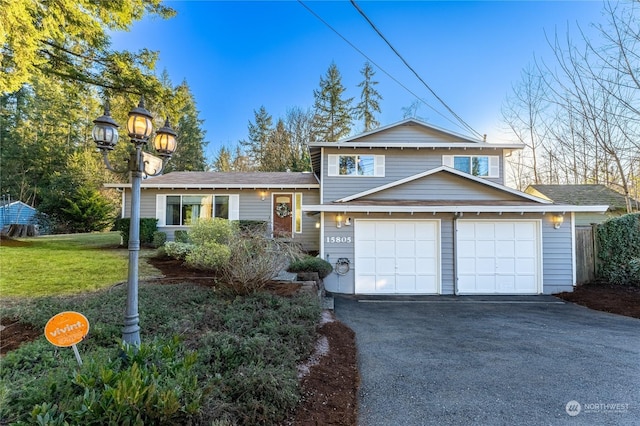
x=585 y=255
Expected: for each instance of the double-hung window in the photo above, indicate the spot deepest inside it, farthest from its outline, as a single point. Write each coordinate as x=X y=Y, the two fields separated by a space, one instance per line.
x=355 y=165
x=476 y=165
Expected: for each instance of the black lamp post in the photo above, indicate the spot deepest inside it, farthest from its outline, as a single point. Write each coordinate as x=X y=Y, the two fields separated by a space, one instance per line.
x=139 y=129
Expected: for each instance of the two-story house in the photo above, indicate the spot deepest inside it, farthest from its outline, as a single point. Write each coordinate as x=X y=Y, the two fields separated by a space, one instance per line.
x=405 y=209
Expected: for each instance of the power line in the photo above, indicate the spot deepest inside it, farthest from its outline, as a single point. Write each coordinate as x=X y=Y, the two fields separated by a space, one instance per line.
x=374 y=63
x=467 y=126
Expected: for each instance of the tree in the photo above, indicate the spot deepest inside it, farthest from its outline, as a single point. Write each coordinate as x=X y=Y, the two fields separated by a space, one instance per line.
x=369 y=99
x=69 y=39
x=299 y=125
x=259 y=134
x=332 y=113
x=88 y=211
x=223 y=161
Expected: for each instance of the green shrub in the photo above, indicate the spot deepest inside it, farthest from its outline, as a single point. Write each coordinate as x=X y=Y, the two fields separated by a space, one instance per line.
x=311 y=264
x=181 y=236
x=159 y=238
x=618 y=242
x=208 y=256
x=148 y=226
x=214 y=230
x=178 y=251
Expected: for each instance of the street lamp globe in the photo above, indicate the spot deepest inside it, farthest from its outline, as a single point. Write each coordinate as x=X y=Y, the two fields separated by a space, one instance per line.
x=165 y=140
x=105 y=131
x=139 y=124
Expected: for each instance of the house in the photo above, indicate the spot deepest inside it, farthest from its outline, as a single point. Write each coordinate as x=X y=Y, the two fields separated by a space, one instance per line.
x=405 y=209
x=17 y=213
x=585 y=195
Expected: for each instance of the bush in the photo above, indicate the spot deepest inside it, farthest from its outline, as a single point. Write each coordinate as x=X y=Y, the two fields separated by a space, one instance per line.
x=181 y=236
x=618 y=242
x=211 y=230
x=148 y=226
x=209 y=256
x=311 y=264
x=159 y=238
x=176 y=250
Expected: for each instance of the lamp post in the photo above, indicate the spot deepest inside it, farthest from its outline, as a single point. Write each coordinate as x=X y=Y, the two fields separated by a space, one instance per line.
x=139 y=129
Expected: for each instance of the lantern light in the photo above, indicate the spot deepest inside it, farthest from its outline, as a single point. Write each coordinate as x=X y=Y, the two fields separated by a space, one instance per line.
x=165 y=140
x=139 y=124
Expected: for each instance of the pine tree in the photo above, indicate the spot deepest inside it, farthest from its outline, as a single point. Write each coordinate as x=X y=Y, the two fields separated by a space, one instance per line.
x=223 y=161
x=332 y=113
x=369 y=99
x=259 y=134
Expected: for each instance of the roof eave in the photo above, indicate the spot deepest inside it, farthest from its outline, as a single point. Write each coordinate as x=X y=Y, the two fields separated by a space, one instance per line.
x=546 y=208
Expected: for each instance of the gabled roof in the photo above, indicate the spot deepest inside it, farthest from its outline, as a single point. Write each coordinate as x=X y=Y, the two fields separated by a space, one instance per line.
x=445 y=169
x=580 y=195
x=220 y=180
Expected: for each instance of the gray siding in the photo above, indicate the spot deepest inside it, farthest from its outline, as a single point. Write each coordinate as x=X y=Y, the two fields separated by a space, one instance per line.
x=251 y=207
x=410 y=133
x=399 y=164
x=586 y=219
x=443 y=186
x=557 y=260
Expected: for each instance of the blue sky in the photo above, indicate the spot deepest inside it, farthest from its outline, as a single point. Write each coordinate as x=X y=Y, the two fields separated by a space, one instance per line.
x=238 y=56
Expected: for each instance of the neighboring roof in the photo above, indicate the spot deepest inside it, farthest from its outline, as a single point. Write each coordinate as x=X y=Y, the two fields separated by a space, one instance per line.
x=17 y=204
x=236 y=180
x=445 y=169
x=580 y=195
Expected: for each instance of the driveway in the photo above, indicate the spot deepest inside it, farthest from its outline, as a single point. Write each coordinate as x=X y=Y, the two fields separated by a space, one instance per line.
x=503 y=360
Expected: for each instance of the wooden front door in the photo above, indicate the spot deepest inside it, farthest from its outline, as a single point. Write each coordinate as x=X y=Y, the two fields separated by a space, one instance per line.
x=282 y=214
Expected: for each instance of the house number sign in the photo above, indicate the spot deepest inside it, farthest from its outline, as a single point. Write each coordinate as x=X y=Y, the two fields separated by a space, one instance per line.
x=338 y=240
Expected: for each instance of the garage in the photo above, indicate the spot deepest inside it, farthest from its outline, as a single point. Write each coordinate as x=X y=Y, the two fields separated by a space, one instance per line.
x=397 y=257
x=498 y=257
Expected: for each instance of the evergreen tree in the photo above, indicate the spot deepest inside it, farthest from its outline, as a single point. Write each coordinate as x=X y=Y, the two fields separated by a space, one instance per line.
x=369 y=99
x=298 y=124
x=259 y=134
x=277 y=152
x=223 y=161
x=332 y=113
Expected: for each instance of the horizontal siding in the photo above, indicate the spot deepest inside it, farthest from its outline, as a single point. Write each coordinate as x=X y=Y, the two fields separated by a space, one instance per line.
x=557 y=259
x=586 y=219
x=443 y=186
x=410 y=133
x=399 y=164
x=447 y=254
x=251 y=207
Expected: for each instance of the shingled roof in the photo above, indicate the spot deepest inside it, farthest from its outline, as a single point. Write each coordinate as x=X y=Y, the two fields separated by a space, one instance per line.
x=580 y=195
x=229 y=180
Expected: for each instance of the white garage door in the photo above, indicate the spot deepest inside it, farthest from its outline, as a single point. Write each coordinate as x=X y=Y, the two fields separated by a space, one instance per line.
x=397 y=257
x=498 y=257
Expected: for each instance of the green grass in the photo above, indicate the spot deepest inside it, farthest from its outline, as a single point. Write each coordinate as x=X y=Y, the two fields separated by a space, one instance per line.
x=63 y=264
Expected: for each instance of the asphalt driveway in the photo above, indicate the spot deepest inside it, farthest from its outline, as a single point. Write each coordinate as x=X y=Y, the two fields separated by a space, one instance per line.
x=484 y=361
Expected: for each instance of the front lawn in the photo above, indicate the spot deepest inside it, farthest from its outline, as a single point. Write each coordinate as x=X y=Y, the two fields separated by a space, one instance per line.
x=62 y=264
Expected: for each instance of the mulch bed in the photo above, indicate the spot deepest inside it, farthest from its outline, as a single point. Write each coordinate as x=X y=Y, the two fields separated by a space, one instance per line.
x=621 y=300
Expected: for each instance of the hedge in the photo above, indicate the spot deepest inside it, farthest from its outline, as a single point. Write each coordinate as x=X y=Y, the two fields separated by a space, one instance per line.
x=618 y=242
x=148 y=226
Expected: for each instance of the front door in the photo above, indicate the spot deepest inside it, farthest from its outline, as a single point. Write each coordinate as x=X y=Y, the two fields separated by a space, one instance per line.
x=282 y=215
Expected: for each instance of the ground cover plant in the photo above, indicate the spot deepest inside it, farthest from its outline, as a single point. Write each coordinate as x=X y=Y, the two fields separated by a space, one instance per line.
x=205 y=357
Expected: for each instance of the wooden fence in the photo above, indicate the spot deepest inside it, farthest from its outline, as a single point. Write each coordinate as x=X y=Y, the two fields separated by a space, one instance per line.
x=585 y=254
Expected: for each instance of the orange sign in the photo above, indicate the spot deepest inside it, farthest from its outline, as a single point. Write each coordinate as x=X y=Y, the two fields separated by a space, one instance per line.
x=66 y=329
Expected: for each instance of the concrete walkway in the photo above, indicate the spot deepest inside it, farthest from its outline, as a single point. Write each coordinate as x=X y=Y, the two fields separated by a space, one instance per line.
x=493 y=361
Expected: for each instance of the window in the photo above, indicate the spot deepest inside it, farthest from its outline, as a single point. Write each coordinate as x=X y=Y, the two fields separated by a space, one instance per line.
x=298 y=213
x=184 y=210
x=355 y=165
x=476 y=165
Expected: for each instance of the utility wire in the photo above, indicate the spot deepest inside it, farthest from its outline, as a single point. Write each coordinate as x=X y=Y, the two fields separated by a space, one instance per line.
x=374 y=63
x=467 y=126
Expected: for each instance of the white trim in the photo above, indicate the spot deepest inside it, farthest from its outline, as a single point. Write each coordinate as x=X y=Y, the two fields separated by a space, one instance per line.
x=123 y=201
x=322 y=175
x=477 y=179
x=573 y=248
x=161 y=209
x=547 y=208
x=219 y=186
x=481 y=146
x=333 y=165
x=297 y=215
x=234 y=205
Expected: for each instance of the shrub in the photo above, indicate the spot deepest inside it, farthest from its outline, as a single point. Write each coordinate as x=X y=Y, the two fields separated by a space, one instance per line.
x=148 y=226
x=255 y=259
x=618 y=242
x=208 y=256
x=211 y=230
x=311 y=264
x=181 y=236
x=176 y=250
x=159 y=238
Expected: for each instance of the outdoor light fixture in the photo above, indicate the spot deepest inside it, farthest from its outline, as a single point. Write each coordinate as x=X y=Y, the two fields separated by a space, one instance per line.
x=557 y=220
x=347 y=222
x=339 y=221
x=317 y=225
x=139 y=129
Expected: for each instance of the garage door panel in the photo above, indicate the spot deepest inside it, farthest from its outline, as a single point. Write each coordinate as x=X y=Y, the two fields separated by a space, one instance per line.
x=405 y=256
x=504 y=259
